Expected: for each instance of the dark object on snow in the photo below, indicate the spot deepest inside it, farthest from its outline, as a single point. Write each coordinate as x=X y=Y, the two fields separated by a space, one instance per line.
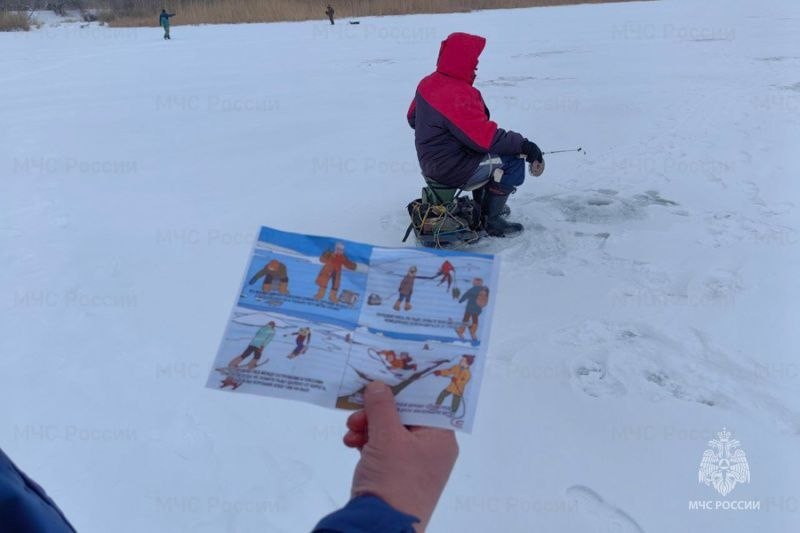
x=374 y=299
x=442 y=218
x=24 y=505
x=355 y=22
x=456 y=293
x=494 y=205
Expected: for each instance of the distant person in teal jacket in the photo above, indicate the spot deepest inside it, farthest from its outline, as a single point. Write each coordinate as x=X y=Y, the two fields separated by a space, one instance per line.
x=163 y=20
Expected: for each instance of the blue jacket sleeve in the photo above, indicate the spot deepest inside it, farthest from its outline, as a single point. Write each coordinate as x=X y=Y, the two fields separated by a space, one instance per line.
x=367 y=514
x=24 y=506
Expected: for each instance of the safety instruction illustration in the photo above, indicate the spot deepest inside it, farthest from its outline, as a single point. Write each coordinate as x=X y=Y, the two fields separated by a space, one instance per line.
x=318 y=318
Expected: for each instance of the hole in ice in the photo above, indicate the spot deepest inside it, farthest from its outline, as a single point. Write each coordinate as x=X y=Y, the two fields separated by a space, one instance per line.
x=598 y=201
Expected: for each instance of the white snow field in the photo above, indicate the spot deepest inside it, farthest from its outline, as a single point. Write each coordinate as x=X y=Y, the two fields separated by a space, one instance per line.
x=651 y=302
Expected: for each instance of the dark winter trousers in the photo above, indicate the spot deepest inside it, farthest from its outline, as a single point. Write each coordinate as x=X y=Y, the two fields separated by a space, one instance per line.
x=250 y=350
x=455 y=403
x=468 y=316
x=513 y=172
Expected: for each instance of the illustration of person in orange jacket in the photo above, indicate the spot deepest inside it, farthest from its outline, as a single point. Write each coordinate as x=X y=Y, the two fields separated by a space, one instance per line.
x=406 y=289
x=398 y=362
x=273 y=272
x=459 y=377
x=332 y=264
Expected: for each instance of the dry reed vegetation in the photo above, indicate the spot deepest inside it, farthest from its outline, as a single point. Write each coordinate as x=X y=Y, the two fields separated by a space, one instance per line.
x=14 y=21
x=145 y=12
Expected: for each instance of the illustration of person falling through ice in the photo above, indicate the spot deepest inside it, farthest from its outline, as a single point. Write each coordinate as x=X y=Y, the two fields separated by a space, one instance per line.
x=398 y=362
x=477 y=297
x=332 y=264
x=273 y=272
x=406 y=290
x=459 y=377
x=446 y=271
x=302 y=339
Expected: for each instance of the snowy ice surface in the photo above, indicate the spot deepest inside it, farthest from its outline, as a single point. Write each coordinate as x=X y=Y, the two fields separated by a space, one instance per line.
x=651 y=302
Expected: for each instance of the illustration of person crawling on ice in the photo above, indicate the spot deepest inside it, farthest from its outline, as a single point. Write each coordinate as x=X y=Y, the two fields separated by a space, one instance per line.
x=459 y=377
x=302 y=339
x=477 y=297
x=273 y=273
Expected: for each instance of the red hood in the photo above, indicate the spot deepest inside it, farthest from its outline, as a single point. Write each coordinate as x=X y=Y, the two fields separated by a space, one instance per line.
x=458 y=56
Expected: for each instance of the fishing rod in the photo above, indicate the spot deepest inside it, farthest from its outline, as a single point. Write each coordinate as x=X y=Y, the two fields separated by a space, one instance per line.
x=578 y=149
x=537 y=169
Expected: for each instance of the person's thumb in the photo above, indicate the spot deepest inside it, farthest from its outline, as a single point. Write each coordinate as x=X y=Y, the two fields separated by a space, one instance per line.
x=383 y=420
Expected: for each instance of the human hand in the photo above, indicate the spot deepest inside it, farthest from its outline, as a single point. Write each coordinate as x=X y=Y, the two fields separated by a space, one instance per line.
x=407 y=467
x=536 y=168
x=531 y=152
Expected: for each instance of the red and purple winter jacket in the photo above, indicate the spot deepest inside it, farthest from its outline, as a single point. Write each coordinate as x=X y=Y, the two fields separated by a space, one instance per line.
x=453 y=132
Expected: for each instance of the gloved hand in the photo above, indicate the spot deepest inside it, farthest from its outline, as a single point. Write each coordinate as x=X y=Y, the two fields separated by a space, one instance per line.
x=531 y=152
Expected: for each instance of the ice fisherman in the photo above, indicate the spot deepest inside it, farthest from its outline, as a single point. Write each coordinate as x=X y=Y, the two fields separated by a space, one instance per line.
x=459 y=377
x=476 y=297
x=163 y=21
x=256 y=347
x=457 y=143
x=329 y=12
x=274 y=271
x=331 y=271
x=406 y=289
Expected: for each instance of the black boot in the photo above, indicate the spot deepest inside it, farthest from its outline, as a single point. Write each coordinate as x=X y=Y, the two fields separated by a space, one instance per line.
x=494 y=206
x=479 y=195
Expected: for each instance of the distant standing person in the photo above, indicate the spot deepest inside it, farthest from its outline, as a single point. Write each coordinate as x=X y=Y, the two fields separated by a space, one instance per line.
x=329 y=12
x=163 y=20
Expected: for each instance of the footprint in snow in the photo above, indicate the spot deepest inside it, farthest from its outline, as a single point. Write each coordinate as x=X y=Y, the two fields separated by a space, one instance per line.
x=599 y=515
x=639 y=360
x=591 y=375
